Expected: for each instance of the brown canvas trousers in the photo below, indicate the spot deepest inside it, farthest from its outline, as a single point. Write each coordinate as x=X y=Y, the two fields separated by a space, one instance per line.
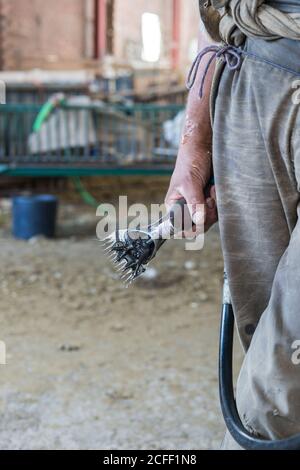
x=256 y=147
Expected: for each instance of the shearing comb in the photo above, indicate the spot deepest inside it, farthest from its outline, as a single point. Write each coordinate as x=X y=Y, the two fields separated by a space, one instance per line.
x=131 y=250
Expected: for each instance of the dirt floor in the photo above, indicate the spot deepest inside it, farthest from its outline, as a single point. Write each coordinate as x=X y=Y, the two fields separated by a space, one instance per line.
x=91 y=365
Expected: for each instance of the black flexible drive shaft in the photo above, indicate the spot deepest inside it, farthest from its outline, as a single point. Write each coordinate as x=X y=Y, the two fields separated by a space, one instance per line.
x=233 y=422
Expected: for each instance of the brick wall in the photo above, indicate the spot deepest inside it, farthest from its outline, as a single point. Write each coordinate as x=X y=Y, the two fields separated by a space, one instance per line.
x=37 y=33
x=57 y=34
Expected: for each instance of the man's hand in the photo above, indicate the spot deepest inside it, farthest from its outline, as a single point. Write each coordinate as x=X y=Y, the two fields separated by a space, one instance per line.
x=190 y=181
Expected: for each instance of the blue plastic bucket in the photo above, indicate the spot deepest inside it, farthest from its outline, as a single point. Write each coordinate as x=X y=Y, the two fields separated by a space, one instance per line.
x=34 y=215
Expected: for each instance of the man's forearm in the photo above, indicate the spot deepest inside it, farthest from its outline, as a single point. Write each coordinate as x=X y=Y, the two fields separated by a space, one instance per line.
x=194 y=161
x=197 y=132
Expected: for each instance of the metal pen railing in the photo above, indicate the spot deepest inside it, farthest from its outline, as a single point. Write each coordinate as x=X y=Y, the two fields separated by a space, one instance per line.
x=95 y=134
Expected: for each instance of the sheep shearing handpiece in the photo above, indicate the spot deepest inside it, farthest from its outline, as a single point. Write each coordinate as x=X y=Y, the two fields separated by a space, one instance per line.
x=131 y=250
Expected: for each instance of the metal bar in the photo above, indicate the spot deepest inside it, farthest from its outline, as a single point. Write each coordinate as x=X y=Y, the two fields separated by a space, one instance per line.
x=36 y=171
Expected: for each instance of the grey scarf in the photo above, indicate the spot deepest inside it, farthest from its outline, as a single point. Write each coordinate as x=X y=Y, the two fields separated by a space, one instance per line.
x=253 y=18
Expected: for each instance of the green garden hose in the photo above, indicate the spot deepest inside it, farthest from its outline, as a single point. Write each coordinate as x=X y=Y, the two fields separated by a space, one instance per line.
x=54 y=102
x=87 y=197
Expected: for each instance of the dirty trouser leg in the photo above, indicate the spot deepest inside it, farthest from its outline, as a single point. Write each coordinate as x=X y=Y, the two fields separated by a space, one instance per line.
x=257 y=171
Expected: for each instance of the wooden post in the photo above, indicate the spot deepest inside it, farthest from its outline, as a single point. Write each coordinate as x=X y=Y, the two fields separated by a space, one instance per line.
x=100 y=28
x=176 y=34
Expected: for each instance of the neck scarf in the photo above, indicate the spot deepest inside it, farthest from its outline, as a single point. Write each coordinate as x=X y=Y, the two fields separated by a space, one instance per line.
x=254 y=18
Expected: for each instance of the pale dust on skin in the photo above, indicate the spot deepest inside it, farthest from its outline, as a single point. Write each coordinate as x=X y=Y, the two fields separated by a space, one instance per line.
x=189 y=129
